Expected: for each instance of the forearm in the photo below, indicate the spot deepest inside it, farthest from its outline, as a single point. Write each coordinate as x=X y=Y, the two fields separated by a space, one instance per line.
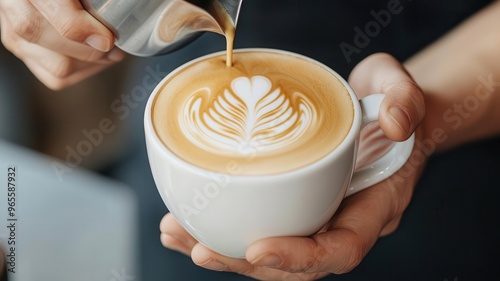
x=460 y=75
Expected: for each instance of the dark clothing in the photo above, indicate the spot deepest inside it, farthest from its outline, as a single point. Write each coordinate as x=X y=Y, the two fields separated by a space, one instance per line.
x=316 y=28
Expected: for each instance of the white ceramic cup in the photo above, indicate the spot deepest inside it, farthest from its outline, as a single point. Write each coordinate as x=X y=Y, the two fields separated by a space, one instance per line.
x=227 y=212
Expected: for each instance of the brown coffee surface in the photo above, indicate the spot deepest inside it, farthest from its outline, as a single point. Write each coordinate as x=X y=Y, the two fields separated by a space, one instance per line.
x=269 y=113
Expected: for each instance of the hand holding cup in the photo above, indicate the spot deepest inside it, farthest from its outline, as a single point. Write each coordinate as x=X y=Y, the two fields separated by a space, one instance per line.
x=374 y=211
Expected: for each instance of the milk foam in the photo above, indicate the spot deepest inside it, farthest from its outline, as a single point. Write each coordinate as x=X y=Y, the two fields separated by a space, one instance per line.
x=249 y=116
x=269 y=113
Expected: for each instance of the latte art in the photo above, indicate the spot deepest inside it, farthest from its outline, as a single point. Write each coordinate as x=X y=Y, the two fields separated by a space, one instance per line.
x=249 y=116
x=269 y=113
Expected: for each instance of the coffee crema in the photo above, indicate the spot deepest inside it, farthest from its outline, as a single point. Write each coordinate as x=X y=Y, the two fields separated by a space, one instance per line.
x=267 y=114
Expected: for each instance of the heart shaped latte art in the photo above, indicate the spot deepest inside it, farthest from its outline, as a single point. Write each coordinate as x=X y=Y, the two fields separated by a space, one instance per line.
x=249 y=117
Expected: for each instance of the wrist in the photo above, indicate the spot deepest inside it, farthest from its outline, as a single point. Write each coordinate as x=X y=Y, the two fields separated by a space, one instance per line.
x=430 y=137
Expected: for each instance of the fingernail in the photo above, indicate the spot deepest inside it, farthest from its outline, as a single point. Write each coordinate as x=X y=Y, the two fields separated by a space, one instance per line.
x=268 y=260
x=116 y=55
x=98 y=42
x=214 y=265
x=400 y=117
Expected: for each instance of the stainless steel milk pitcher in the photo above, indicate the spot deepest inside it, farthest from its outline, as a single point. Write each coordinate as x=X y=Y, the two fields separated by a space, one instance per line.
x=154 y=27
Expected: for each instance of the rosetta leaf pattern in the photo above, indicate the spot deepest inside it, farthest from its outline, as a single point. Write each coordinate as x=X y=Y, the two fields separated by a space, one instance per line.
x=250 y=116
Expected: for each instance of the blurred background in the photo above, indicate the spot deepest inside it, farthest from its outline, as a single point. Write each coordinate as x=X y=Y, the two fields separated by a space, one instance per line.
x=100 y=219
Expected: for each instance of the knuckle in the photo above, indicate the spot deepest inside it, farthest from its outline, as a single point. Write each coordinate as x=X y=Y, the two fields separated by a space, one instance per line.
x=164 y=223
x=410 y=95
x=166 y=240
x=56 y=84
x=27 y=27
x=247 y=270
x=306 y=265
x=354 y=250
x=403 y=86
x=68 y=27
x=297 y=277
x=8 y=41
x=352 y=262
x=57 y=71
x=62 y=69
x=418 y=99
x=94 y=56
x=416 y=93
x=383 y=56
x=317 y=259
x=391 y=226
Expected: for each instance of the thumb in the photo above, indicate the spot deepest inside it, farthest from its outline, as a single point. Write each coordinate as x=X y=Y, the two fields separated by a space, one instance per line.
x=403 y=108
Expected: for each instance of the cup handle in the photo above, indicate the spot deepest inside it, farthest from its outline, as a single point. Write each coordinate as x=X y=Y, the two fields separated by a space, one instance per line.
x=390 y=162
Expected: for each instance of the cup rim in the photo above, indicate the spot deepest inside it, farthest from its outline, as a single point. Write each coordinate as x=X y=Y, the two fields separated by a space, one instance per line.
x=350 y=138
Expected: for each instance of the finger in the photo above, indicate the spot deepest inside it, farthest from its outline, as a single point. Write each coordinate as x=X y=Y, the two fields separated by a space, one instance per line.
x=174 y=243
x=340 y=249
x=74 y=23
x=56 y=83
x=204 y=257
x=16 y=28
x=54 y=41
x=173 y=235
x=57 y=71
x=403 y=108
